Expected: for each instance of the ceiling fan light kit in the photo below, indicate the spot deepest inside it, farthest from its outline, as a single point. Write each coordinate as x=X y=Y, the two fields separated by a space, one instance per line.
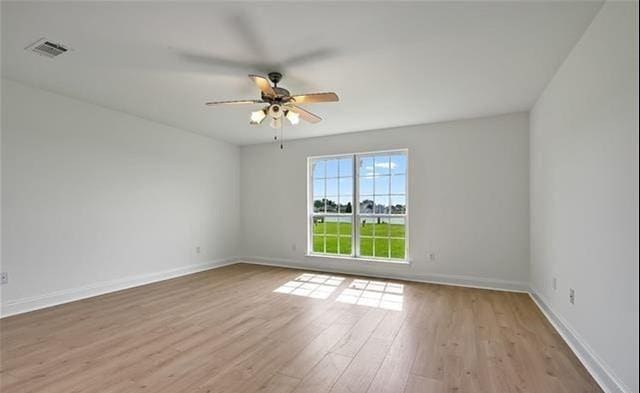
x=280 y=102
x=275 y=111
x=293 y=117
x=258 y=116
x=276 y=122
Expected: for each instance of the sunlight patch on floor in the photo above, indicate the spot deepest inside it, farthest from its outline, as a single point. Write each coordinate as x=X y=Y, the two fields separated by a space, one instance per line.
x=317 y=286
x=369 y=293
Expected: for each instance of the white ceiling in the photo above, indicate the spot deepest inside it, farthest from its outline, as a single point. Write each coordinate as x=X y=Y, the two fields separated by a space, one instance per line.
x=392 y=64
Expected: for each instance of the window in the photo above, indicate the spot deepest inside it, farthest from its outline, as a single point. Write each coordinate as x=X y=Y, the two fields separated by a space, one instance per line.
x=368 y=190
x=332 y=182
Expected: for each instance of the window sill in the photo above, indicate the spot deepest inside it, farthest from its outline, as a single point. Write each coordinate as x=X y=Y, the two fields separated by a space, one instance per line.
x=402 y=262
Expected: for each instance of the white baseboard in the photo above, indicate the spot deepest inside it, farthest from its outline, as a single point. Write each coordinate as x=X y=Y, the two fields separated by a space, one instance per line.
x=19 y=306
x=32 y=303
x=592 y=362
x=374 y=269
x=594 y=365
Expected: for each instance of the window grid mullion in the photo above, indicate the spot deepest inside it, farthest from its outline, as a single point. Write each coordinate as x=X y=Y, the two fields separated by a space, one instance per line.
x=324 y=219
x=339 y=220
x=355 y=206
x=356 y=215
x=389 y=211
x=373 y=190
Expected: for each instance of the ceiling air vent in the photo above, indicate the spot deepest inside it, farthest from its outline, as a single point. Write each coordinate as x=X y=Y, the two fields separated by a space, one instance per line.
x=47 y=48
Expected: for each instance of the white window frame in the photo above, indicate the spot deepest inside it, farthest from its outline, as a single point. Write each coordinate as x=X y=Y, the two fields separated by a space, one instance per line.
x=311 y=214
x=355 y=209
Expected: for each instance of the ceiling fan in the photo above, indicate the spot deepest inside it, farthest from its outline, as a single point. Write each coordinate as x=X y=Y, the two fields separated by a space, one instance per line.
x=280 y=103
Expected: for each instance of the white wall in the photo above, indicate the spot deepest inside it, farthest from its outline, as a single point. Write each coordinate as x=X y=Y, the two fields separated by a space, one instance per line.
x=91 y=195
x=468 y=196
x=584 y=193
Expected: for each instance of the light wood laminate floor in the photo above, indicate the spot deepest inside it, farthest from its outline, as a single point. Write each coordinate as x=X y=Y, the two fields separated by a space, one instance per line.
x=247 y=328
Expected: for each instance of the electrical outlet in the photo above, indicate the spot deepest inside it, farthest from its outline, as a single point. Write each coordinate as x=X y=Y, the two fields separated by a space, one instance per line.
x=554 y=284
x=4 y=278
x=198 y=250
x=572 y=296
x=432 y=256
x=294 y=247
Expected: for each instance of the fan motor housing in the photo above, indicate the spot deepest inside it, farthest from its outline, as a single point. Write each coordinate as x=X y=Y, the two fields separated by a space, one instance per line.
x=282 y=95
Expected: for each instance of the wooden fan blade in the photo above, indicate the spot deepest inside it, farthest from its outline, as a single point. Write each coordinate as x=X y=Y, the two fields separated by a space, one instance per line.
x=236 y=102
x=263 y=84
x=304 y=114
x=315 y=97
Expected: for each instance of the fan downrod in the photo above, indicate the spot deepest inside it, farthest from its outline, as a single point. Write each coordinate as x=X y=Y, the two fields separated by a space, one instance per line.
x=275 y=77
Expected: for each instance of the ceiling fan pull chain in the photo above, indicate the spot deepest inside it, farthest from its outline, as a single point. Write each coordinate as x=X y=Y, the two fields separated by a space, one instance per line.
x=275 y=134
x=281 y=135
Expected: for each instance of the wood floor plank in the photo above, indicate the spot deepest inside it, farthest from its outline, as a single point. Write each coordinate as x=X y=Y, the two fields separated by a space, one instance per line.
x=359 y=334
x=320 y=346
x=364 y=366
x=322 y=377
x=392 y=375
x=418 y=384
x=255 y=329
x=279 y=383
